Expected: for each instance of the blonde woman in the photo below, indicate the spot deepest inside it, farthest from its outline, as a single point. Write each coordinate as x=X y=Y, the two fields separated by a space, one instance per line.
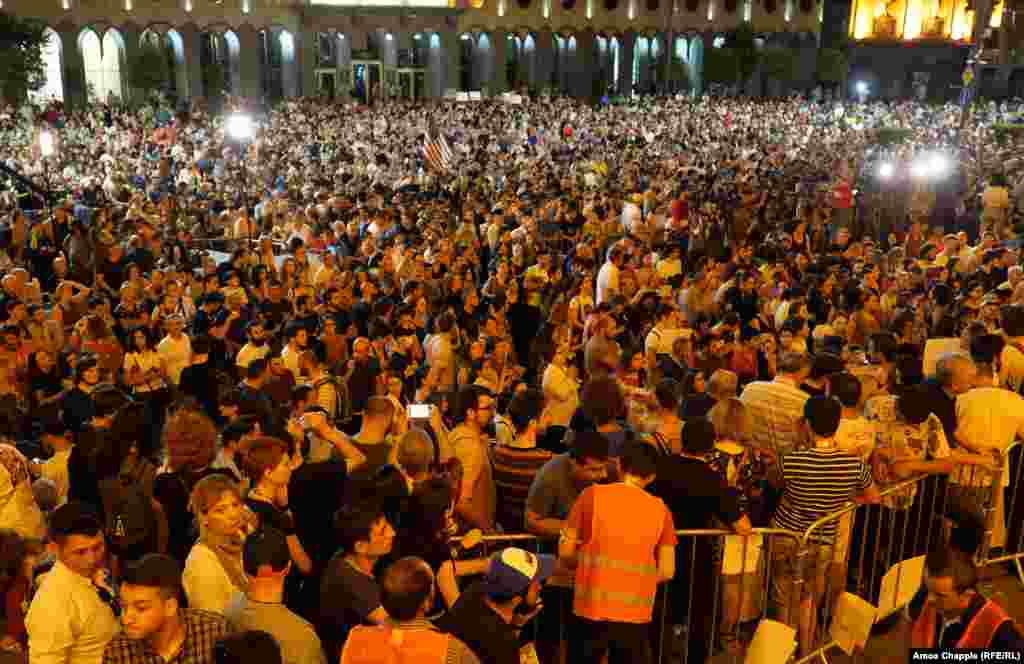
x=213 y=570
x=745 y=469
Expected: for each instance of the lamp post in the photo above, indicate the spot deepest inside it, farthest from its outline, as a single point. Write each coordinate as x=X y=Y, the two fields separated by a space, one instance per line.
x=239 y=127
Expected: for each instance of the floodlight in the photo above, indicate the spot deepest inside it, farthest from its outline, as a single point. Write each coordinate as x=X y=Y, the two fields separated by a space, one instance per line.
x=239 y=127
x=47 y=143
x=886 y=170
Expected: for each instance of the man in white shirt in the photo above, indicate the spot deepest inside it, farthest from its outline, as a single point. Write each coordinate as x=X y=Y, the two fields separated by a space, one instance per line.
x=69 y=621
x=608 y=277
x=663 y=335
x=175 y=350
x=298 y=338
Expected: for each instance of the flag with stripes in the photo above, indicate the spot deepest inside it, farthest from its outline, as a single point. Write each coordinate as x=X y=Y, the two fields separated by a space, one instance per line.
x=438 y=154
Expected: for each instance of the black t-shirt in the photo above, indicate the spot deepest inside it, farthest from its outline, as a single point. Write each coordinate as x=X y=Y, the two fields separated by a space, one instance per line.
x=695 y=493
x=113 y=273
x=274 y=313
x=347 y=598
x=473 y=622
x=271 y=515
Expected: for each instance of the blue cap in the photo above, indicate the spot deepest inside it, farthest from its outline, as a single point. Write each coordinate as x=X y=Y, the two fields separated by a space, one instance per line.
x=511 y=571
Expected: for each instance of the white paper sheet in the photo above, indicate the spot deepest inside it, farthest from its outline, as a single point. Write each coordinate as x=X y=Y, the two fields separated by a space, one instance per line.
x=899 y=585
x=773 y=643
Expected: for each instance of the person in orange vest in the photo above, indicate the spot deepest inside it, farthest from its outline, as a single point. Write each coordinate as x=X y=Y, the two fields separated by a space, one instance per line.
x=621 y=541
x=948 y=613
x=407 y=593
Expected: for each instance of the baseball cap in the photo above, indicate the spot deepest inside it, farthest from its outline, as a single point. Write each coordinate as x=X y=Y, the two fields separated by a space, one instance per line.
x=511 y=571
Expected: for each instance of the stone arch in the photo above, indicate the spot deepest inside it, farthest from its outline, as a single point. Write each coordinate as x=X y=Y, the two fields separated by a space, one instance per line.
x=103 y=59
x=289 y=69
x=483 y=62
x=53 y=66
x=530 y=57
x=233 y=75
x=466 y=55
x=436 y=65
x=696 y=62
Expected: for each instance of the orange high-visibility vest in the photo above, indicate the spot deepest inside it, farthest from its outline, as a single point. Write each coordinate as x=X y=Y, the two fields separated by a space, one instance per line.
x=617 y=574
x=978 y=633
x=389 y=645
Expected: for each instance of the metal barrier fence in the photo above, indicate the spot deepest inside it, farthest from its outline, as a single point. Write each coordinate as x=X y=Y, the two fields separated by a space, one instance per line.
x=710 y=608
x=725 y=583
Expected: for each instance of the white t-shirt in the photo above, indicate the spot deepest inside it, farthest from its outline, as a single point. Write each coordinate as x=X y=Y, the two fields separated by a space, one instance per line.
x=249 y=352
x=176 y=354
x=607 y=282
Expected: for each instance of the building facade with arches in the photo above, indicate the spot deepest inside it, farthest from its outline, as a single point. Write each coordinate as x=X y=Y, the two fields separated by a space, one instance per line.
x=275 y=49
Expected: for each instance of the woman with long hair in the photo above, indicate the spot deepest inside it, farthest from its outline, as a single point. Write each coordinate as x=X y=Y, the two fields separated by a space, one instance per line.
x=213 y=571
x=745 y=469
x=425 y=533
x=143 y=373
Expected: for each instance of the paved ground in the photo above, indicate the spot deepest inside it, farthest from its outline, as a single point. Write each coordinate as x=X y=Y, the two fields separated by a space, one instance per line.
x=891 y=648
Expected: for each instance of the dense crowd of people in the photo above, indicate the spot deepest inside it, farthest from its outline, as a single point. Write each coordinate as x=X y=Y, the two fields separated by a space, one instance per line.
x=262 y=395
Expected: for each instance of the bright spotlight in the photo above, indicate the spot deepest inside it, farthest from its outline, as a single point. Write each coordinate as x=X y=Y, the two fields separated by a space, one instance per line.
x=921 y=168
x=239 y=127
x=862 y=88
x=47 y=143
x=937 y=165
x=886 y=170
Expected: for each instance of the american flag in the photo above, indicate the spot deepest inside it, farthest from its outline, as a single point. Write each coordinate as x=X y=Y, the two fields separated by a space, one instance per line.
x=437 y=153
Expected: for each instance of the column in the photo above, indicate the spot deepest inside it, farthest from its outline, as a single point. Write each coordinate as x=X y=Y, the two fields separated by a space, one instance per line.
x=308 y=63
x=75 y=92
x=499 y=77
x=191 y=46
x=344 y=64
x=131 y=36
x=628 y=43
x=544 y=59
x=587 y=65
x=450 y=50
x=251 y=85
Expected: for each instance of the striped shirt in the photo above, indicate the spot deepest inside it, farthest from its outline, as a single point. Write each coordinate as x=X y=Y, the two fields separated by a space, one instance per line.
x=514 y=470
x=818 y=481
x=776 y=409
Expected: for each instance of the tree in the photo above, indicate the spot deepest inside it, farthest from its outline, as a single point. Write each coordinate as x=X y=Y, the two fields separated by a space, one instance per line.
x=673 y=73
x=214 y=78
x=149 y=70
x=22 y=69
x=721 y=66
x=831 y=66
x=747 y=54
x=778 y=64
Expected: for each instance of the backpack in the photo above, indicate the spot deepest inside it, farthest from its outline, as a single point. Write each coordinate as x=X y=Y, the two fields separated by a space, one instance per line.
x=342 y=403
x=131 y=518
